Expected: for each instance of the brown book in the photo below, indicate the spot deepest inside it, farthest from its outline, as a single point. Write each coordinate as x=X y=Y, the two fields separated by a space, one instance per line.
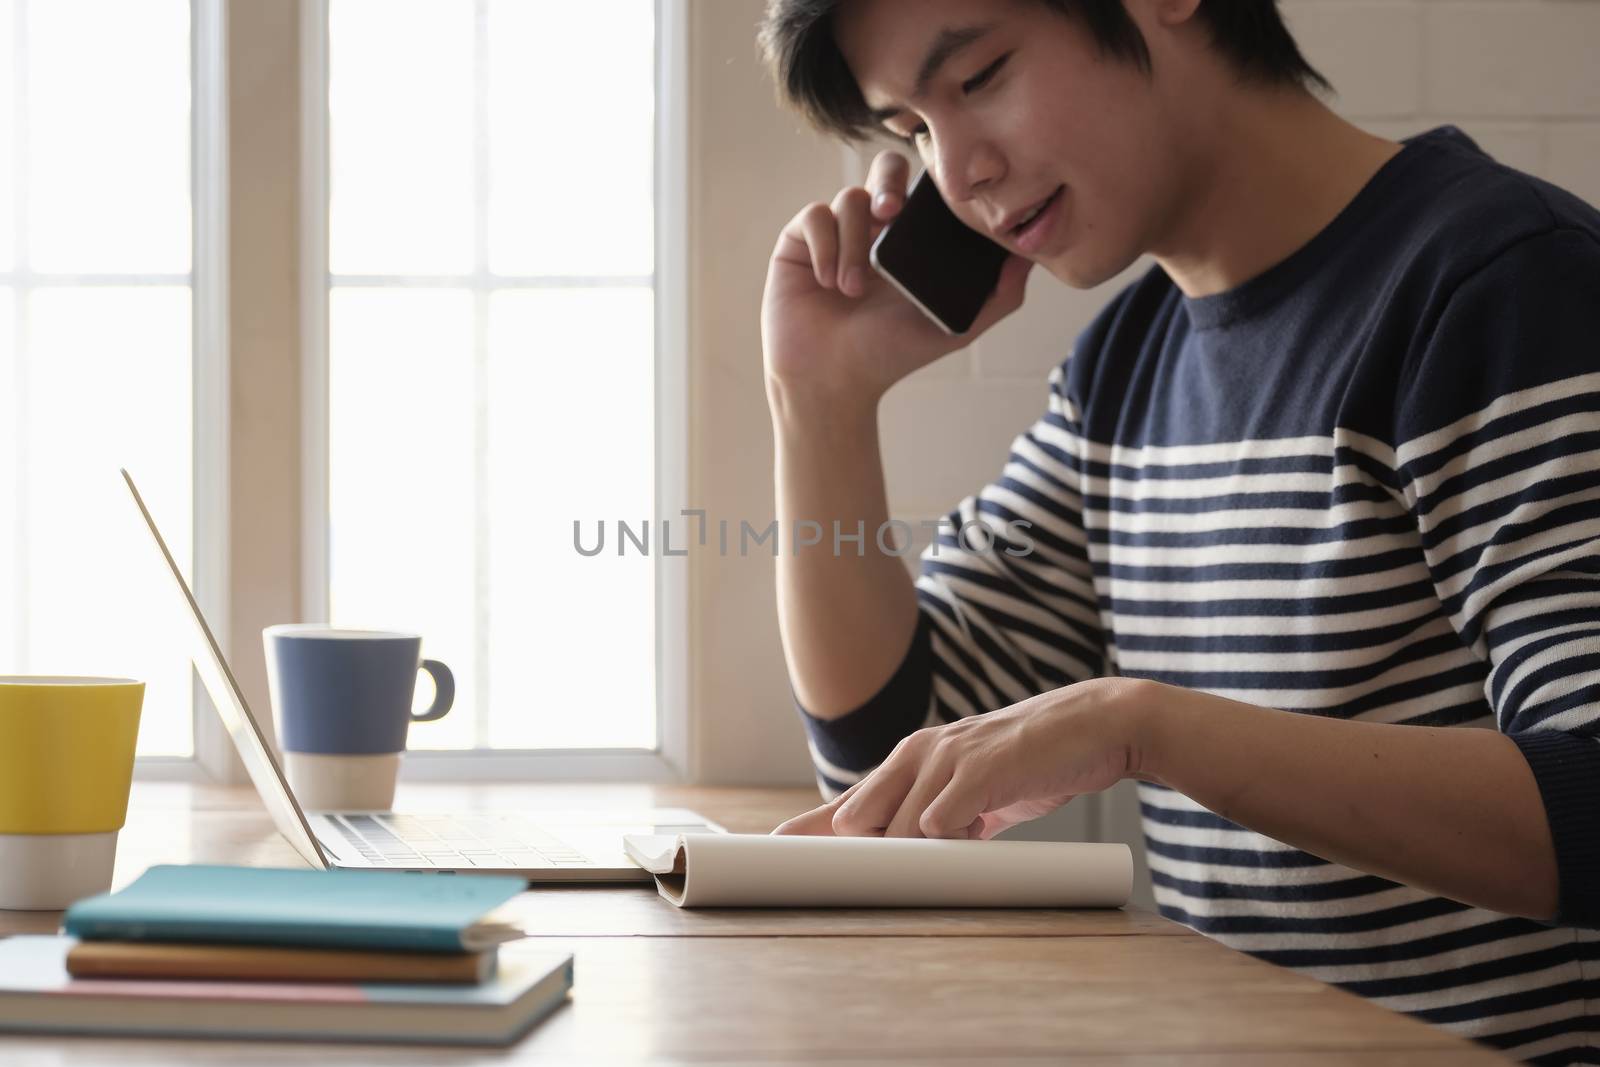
x=149 y=959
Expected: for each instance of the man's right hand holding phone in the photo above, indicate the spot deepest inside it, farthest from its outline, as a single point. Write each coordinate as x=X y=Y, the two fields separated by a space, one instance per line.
x=836 y=336
x=831 y=328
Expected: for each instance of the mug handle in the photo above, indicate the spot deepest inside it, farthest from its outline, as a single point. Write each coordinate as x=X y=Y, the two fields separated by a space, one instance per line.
x=444 y=685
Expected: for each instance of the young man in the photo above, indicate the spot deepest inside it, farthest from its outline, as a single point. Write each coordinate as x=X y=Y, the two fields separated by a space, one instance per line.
x=1315 y=503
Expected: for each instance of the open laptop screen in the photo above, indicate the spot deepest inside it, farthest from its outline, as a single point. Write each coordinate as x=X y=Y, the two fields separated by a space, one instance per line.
x=235 y=711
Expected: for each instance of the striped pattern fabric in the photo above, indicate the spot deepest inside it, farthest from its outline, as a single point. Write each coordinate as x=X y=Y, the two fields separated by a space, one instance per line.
x=1409 y=535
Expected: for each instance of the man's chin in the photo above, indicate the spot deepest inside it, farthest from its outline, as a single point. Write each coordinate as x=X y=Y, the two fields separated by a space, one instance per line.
x=1082 y=271
x=1073 y=271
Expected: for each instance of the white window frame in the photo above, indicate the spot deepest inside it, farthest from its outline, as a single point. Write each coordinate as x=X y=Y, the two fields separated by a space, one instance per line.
x=214 y=758
x=671 y=759
x=206 y=281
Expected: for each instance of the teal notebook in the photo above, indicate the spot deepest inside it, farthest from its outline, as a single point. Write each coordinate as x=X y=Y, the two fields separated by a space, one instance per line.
x=38 y=996
x=333 y=909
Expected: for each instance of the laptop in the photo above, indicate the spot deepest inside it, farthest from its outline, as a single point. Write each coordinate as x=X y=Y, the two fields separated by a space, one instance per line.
x=566 y=846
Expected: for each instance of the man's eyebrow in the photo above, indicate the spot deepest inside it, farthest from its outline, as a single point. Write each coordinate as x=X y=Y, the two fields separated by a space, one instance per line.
x=944 y=48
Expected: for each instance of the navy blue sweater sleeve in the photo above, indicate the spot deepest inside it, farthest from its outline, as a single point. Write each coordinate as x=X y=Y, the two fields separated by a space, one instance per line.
x=1498 y=453
x=866 y=736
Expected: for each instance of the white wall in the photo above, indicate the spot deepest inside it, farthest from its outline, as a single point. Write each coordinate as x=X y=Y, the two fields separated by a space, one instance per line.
x=1517 y=75
x=751 y=168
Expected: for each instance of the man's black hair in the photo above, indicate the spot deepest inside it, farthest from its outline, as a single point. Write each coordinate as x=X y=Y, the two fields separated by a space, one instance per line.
x=811 y=74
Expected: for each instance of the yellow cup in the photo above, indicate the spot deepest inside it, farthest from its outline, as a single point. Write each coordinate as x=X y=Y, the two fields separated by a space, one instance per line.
x=66 y=765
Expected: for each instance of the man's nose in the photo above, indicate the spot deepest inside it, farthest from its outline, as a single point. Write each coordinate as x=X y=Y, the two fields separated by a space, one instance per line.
x=965 y=167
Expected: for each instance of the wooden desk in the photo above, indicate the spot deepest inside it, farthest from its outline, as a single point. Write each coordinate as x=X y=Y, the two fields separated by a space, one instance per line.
x=660 y=985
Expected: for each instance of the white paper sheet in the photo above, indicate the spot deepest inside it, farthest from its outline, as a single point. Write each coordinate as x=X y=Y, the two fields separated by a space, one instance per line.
x=761 y=870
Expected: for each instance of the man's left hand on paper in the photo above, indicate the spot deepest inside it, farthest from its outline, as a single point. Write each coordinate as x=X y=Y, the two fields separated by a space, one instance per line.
x=978 y=776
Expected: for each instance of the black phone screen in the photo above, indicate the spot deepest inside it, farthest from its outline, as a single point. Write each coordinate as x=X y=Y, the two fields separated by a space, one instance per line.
x=945 y=267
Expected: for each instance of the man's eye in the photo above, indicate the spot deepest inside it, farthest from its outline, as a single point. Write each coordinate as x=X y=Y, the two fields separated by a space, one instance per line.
x=980 y=79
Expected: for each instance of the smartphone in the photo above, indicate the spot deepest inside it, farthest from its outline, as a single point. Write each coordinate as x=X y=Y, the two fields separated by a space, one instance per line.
x=938 y=262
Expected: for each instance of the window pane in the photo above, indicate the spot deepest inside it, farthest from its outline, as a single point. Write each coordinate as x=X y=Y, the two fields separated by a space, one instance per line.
x=108 y=130
x=7 y=137
x=571 y=436
x=458 y=409
x=571 y=105
x=400 y=136
x=108 y=385
x=401 y=490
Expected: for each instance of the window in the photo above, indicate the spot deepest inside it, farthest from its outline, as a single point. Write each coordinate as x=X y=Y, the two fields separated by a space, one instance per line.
x=491 y=355
x=97 y=314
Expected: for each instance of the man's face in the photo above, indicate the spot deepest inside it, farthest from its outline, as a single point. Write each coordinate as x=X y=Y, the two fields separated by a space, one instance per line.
x=1011 y=105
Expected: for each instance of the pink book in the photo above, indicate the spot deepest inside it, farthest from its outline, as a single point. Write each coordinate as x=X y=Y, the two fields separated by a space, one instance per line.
x=38 y=995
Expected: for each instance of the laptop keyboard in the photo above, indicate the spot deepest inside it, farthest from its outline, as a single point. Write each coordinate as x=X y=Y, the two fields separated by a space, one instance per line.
x=504 y=841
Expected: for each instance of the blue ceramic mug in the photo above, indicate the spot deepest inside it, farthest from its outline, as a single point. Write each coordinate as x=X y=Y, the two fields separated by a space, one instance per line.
x=342 y=700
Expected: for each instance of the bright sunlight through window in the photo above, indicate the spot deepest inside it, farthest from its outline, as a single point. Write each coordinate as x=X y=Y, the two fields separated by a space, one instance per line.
x=491 y=354
x=95 y=342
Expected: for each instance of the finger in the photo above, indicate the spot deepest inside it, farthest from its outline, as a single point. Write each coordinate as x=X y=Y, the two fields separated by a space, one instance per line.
x=907 y=822
x=886 y=181
x=866 y=813
x=818 y=822
x=987 y=827
x=817 y=228
x=955 y=810
x=854 y=219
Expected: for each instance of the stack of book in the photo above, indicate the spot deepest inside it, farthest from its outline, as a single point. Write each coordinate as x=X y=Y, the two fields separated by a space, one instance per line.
x=231 y=951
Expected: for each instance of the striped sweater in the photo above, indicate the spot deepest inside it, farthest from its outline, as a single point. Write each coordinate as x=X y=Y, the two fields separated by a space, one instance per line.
x=1364 y=484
